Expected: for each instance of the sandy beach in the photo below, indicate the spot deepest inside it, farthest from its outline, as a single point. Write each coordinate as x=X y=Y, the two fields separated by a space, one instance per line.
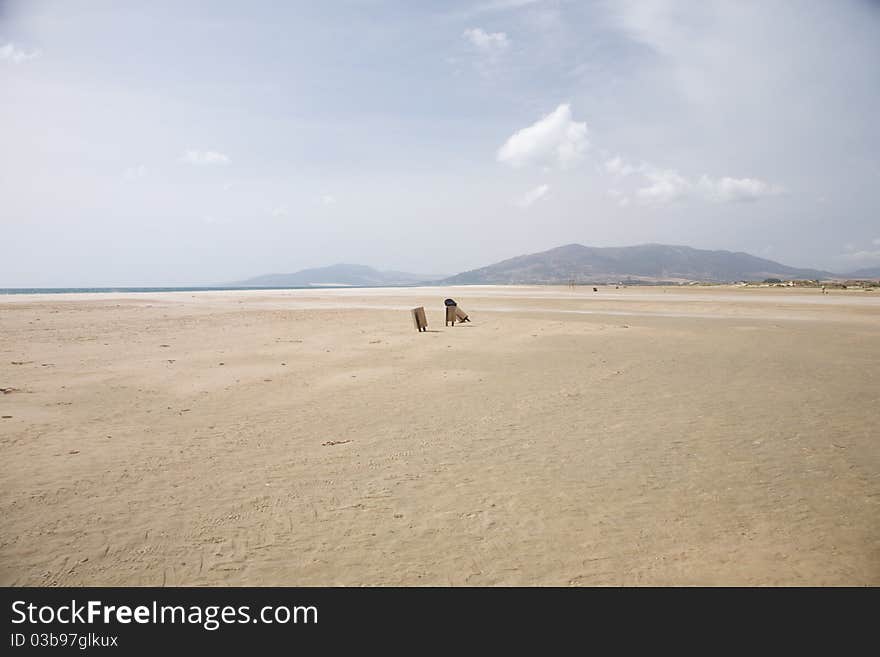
x=637 y=436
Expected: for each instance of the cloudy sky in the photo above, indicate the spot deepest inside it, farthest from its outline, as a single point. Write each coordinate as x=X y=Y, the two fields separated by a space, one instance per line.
x=175 y=142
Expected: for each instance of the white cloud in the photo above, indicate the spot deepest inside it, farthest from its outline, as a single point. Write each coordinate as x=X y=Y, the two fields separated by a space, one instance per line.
x=730 y=190
x=617 y=166
x=134 y=173
x=666 y=186
x=876 y=241
x=489 y=43
x=205 y=157
x=533 y=195
x=328 y=199
x=555 y=139
x=9 y=53
x=278 y=212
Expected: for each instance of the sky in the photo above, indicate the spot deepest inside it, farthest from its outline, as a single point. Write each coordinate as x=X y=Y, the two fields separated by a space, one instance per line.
x=159 y=143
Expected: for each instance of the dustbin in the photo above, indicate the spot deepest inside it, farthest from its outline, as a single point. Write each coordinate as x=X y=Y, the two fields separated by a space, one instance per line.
x=453 y=312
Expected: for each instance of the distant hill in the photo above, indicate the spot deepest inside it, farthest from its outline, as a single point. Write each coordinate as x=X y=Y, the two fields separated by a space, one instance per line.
x=644 y=263
x=868 y=273
x=340 y=275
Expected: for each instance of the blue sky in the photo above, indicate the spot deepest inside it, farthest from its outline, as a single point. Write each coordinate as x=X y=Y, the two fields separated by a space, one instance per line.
x=175 y=142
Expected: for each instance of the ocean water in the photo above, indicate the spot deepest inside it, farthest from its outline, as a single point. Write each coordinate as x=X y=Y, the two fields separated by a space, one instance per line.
x=91 y=290
x=74 y=290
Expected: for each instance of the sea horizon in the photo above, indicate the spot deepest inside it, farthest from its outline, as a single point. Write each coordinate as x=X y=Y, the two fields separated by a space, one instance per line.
x=182 y=288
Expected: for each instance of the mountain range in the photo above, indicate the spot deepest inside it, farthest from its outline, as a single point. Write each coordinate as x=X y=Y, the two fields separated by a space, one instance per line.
x=646 y=263
x=867 y=273
x=338 y=275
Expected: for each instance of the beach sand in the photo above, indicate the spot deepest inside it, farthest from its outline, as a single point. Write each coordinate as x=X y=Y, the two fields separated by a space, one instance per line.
x=638 y=436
